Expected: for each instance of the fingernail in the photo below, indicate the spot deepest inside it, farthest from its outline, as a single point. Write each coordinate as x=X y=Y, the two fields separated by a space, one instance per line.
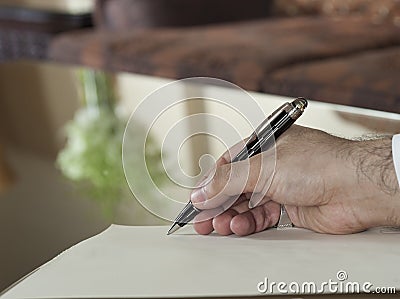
x=198 y=196
x=251 y=205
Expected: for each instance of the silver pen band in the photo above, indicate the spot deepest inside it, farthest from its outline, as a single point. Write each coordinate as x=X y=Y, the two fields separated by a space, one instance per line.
x=284 y=220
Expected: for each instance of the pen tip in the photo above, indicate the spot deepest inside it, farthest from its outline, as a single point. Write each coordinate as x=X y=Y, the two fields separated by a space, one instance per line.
x=173 y=229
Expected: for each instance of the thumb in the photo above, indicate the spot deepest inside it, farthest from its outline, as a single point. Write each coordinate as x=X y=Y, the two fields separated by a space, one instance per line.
x=231 y=180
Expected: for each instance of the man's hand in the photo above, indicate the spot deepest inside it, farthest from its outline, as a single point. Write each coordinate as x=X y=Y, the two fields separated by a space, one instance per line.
x=327 y=184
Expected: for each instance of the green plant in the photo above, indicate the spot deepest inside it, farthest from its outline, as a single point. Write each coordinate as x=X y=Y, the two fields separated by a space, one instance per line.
x=92 y=155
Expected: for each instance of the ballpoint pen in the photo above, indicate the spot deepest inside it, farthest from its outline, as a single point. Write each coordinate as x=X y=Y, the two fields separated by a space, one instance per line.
x=262 y=139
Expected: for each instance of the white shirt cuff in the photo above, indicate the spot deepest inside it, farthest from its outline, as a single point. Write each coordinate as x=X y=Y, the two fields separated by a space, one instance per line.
x=396 y=155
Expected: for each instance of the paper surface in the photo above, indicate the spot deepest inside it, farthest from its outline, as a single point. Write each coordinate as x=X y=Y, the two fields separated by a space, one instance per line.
x=143 y=262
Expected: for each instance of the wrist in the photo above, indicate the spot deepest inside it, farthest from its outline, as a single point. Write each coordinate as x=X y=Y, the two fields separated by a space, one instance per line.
x=374 y=184
x=379 y=211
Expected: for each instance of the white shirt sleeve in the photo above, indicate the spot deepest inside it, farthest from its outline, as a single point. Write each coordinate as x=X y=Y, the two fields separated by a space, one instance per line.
x=396 y=155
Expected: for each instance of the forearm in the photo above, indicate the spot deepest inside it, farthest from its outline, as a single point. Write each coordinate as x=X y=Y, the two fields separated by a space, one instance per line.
x=372 y=163
x=373 y=160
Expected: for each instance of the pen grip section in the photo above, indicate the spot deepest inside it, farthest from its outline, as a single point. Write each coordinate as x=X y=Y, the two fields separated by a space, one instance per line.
x=187 y=214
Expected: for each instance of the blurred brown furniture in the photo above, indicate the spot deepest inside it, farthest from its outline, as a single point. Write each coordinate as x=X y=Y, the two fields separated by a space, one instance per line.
x=323 y=50
x=25 y=33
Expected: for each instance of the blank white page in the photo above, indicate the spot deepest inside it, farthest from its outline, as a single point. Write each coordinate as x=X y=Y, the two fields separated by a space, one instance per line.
x=128 y=261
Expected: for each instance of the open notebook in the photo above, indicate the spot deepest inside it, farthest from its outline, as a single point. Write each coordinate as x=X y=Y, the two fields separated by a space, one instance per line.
x=129 y=262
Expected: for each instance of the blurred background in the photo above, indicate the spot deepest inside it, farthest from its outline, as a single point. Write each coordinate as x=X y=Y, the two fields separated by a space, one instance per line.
x=71 y=72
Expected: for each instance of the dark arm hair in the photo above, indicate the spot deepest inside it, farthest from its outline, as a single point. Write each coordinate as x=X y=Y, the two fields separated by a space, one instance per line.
x=372 y=157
